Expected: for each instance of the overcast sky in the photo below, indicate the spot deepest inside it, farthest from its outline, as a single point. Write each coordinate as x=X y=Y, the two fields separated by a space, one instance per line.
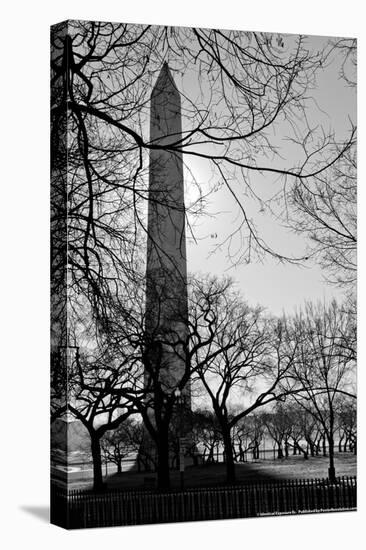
x=278 y=287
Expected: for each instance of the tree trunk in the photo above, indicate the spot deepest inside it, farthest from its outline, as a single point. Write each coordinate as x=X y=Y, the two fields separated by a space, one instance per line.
x=279 y=452
x=163 y=460
x=324 y=446
x=119 y=467
x=331 y=470
x=257 y=451
x=97 y=463
x=230 y=464
x=306 y=452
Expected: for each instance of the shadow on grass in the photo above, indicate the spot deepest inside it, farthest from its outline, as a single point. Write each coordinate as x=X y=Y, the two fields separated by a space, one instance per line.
x=208 y=475
x=214 y=475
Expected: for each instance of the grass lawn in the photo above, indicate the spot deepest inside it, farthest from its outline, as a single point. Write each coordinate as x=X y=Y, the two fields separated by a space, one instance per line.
x=264 y=470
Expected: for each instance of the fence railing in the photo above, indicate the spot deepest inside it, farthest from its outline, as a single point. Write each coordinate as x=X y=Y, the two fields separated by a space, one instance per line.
x=76 y=509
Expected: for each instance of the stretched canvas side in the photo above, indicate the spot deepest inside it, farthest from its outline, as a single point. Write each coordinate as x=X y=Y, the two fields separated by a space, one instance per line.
x=203 y=274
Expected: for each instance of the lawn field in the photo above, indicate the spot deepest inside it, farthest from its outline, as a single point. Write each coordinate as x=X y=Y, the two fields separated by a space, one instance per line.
x=264 y=470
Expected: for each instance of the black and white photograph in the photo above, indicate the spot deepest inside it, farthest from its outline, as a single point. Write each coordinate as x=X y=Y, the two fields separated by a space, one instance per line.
x=203 y=274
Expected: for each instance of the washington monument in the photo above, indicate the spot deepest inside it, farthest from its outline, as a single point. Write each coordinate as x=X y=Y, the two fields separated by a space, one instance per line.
x=166 y=272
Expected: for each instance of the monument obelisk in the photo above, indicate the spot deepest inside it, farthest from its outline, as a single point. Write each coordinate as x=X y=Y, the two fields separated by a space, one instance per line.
x=166 y=271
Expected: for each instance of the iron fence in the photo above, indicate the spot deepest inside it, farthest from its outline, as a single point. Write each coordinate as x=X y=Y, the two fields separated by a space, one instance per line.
x=77 y=508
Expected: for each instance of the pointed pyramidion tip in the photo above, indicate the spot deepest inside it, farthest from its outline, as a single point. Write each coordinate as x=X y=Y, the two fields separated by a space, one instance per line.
x=165 y=81
x=165 y=71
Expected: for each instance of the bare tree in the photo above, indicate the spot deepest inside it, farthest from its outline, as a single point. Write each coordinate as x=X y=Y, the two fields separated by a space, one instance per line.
x=133 y=435
x=251 y=362
x=98 y=370
x=348 y=49
x=325 y=207
x=206 y=434
x=322 y=370
x=305 y=433
x=279 y=426
x=347 y=425
x=325 y=210
x=247 y=435
x=102 y=75
x=115 y=446
x=150 y=387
